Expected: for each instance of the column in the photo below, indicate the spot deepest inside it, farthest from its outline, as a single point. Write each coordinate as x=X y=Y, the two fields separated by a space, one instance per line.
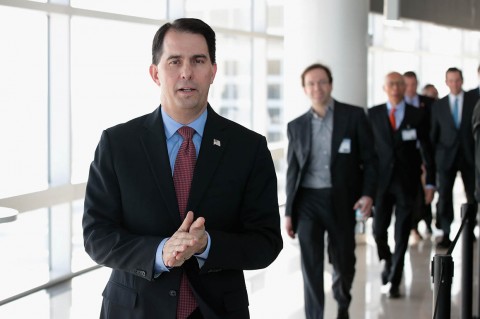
x=334 y=33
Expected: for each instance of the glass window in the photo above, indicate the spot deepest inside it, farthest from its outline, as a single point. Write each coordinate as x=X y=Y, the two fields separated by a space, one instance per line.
x=472 y=42
x=433 y=71
x=24 y=250
x=230 y=93
x=80 y=259
x=274 y=136
x=110 y=82
x=402 y=37
x=231 y=68
x=23 y=102
x=470 y=74
x=274 y=92
x=447 y=41
x=274 y=67
x=143 y=8
x=275 y=17
x=233 y=14
x=274 y=89
x=275 y=115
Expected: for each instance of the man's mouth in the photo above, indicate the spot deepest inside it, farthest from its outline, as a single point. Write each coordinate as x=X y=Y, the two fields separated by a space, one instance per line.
x=186 y=90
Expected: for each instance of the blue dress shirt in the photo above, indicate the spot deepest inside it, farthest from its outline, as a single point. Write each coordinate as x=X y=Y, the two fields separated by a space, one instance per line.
x=174 y=141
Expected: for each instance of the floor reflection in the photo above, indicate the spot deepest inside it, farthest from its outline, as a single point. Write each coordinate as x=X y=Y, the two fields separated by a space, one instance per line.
x=277 y=292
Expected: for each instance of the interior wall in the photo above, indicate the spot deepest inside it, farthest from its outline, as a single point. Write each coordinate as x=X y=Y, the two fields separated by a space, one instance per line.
x=456 y=13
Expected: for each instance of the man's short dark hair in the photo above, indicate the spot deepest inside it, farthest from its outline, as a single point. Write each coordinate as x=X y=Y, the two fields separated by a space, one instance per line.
x=455 y=70
x=317 y=66
x=410 y=74
x=189 y=25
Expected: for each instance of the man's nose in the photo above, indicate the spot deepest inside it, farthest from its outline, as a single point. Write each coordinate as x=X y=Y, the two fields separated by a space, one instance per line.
x=187 y=71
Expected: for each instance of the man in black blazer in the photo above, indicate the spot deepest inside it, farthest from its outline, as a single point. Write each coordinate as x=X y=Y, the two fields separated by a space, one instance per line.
x=451 y=134
x=132 y=221
x=399 y=131
x=421 y=210
x=475 y=92
x=331 y=172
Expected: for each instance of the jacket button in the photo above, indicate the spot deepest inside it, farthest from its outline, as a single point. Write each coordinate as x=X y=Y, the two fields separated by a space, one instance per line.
x=172 y=293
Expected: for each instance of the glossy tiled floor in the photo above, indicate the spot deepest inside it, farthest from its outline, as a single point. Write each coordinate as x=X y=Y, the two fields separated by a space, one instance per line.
x=277 y=291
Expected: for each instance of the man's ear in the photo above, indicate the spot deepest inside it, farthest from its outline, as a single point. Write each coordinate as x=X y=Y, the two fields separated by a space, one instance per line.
x=154 y=74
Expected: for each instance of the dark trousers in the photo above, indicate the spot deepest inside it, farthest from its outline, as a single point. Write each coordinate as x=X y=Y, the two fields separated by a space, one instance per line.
x=446 y=180
x=316 y=216
x=420 y=209
x=402 y=200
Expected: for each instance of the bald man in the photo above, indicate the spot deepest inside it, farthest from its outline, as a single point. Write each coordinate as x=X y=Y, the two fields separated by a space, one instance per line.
x=398 y=129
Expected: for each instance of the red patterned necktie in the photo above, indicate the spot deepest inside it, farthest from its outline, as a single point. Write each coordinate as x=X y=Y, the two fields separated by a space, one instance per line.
x=182 y=179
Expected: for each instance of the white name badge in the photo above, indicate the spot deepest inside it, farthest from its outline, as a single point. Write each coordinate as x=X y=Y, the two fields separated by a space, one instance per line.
x=409 y=134
x=345 y=146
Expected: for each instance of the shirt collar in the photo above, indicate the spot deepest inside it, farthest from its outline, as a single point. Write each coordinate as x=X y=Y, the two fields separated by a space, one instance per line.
x=400 y=106
x=414 y=100
x=330 y=107
x=171 y=126
x=452 y=97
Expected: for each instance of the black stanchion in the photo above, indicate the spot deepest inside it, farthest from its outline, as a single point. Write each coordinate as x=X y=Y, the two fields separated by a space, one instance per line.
x=442 y=273
x=468 y=212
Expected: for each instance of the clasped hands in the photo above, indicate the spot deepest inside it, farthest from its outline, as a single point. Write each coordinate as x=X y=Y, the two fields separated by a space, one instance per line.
x=188 y=240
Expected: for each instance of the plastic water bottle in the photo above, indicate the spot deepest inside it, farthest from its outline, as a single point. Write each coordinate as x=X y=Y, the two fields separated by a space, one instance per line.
x=360 y=225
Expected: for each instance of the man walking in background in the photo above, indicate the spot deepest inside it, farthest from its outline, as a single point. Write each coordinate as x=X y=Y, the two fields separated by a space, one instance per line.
x=451 y=134
x=399 y=131
x=421 y=210
x=331 y=172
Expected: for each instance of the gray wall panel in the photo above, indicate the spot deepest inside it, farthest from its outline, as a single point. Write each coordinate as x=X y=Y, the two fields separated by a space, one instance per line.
x=456 y=13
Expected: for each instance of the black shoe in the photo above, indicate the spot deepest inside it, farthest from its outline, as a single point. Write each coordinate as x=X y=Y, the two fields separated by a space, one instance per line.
x=386 y=271
x=429 y=229
x=342 y=313
x=444 y=243
x=394 y=292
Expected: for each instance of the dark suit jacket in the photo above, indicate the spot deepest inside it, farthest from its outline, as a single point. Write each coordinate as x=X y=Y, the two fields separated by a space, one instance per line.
x=399 y=156
x=426 y=105
x=130 y=206
x=476 y=137
x=474 y=93
x=447 y=140
x=353 y=174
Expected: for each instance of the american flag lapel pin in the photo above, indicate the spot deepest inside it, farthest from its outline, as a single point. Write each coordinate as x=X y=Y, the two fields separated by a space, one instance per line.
x=216 y=142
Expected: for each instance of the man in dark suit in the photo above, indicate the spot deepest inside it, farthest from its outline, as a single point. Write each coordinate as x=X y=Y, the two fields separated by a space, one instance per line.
x=475 y=92
x=421 y=210
x=476 y=137
x=431 y=91
x=166 y=264
x=399 y=131
x=451 y=134
x=331 y=172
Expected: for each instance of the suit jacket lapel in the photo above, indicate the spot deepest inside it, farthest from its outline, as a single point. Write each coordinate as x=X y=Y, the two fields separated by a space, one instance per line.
x=305 y=128
x=214 y=143
x=154 y=143
x=340 y=122
x=446 y=113
x=384 y=122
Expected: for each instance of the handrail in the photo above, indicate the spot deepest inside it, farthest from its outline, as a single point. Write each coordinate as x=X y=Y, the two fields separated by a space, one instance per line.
x=49 y=284
x=45 y=198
